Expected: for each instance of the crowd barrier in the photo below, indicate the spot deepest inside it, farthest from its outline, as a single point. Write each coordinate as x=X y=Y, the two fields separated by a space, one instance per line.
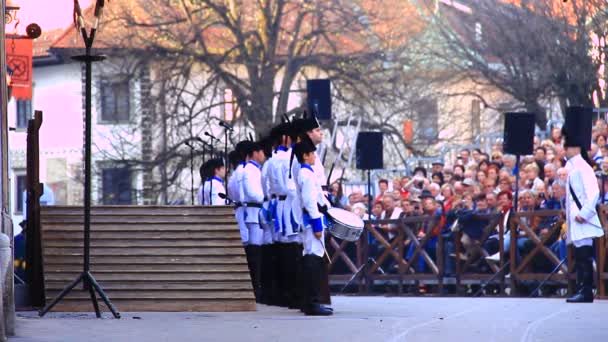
x=408 y=260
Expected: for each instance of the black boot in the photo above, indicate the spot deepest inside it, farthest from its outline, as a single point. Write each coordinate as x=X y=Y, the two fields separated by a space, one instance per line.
x=266 y=276
x=313 y=307
x=584 y=275
x=256 y=270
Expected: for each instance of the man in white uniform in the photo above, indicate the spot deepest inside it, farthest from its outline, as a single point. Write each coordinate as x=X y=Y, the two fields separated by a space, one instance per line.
x=213 y=185
x=310 y=198
x=582 y=194
x=238 y=161
x=253 y=197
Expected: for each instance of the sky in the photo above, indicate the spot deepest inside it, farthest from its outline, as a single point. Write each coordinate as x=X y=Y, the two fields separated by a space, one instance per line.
x=49 y=14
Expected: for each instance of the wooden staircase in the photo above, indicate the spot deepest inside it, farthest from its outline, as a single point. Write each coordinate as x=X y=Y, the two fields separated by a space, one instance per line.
x=149 y=258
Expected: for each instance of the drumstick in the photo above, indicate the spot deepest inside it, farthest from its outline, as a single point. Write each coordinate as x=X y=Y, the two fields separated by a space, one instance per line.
x=326 y=254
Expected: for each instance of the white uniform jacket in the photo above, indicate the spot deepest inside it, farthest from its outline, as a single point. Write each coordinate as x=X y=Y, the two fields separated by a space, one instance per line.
x=309 y=196
x=235 y=194
x=211 y=190
x=584 y=184
x=253 y=194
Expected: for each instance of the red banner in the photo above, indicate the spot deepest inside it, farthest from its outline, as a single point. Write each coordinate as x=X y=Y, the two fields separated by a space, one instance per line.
x=19 y=60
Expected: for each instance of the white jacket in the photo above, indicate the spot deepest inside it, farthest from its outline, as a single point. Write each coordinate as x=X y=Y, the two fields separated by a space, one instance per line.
x=252 y=191
x=584 y=184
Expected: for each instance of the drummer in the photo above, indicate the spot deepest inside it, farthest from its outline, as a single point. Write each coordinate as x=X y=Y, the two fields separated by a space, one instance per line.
x=311 y=205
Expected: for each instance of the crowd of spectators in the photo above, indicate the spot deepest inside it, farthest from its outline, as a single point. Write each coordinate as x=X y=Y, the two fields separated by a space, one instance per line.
x=461 y=192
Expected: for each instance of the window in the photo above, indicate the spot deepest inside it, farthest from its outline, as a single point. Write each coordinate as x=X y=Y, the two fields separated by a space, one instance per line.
x=24 y=113
x=116 y=186
x=427 y=120
x=231 y=109
x=115 y=100
x=20 y=186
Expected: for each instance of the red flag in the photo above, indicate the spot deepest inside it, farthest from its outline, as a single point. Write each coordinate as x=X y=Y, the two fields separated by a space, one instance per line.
x=408 y=131
x=19 y=60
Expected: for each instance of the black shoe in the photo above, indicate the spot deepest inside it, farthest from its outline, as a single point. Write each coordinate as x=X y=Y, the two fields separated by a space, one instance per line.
x=327 y=307
x=581 y=297
x=317 y=310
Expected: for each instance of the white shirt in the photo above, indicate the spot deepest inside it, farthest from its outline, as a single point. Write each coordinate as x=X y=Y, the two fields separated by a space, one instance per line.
x=212 y=187
x=252 y=190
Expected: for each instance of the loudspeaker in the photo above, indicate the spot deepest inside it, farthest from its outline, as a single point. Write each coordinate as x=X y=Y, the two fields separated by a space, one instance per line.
x=370 y=151
x=319 y=98
x=579 y=123
x=519 y=133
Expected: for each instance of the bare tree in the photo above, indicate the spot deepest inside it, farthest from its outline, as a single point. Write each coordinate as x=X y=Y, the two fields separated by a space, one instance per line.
x=531 y=50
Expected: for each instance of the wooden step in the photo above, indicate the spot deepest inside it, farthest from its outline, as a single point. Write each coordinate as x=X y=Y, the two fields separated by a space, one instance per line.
x=149 y=258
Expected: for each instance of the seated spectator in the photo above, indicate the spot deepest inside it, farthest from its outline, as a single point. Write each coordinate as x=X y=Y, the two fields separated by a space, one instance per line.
x=432 y=227
x=459 y=171
x=531 y=174
x=483 y=166
x=473 y=225
x=437 y=178
x=391 y=212
x=435 y=191
x=508 y=162
x=476 y=155
x=448 y=177
x=459 y=189
x=556 y=135
x=437 y=167
x=383 y=187
x=337 y=196
x=481 y=177
x=468 y=186
x=504 y=184
x=562 y=174
x=403 y=189
x=505 y=204
x=540 y=158
x=493 y=173
x=447 y=192
x=377 y=210
x=497 y=157
x=407 y=208
x=489 y=187
x=492 y=200
x=550 y=173
x=360 y=210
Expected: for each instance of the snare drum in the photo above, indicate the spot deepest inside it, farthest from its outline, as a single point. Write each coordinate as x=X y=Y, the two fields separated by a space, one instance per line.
x=344 y=224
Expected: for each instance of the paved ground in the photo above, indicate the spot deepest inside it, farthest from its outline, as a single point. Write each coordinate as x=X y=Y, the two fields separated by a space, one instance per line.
x=355 y=319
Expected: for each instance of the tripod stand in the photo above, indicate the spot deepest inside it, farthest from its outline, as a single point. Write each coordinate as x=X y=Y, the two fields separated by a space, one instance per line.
x=89 y=282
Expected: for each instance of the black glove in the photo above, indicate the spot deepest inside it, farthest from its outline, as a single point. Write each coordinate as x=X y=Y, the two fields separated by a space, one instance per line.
x=322 y=208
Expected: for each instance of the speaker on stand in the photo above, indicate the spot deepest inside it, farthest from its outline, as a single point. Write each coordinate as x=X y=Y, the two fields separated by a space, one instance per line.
x=518 y=140
x=369 y=153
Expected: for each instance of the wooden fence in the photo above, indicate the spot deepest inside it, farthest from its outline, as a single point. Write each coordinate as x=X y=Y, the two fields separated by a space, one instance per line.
x=531 y=258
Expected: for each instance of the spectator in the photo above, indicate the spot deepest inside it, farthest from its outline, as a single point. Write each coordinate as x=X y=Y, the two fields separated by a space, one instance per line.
x=473 y=225
x=540 y=157
x=437 y=167
x=360 y=210
x=504 y=184
x=435 y=191
x=377 y=210
x=407 y=208
x=483 y=166
x=531 y=174
x=509 y=163
x=459 y=171
x=403 y=189
x=562 y=174
x=468 y=184
x=550 y=173
x=489 y=186
x=432 y=227
x=492 y=200
x=556 y=135
x=497 y=158
x=391 y=212
x=447 y=192
x=448 y=177
x=337 y=195
x=383 y=187
x=437 y=178
x=458 y=188
x=505 y=201
x=420 y=172
x=481 y=177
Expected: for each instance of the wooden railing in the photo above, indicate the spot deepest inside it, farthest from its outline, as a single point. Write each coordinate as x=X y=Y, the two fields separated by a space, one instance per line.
x=375 y=257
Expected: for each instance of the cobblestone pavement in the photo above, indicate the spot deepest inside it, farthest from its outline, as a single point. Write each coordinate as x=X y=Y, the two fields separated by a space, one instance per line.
x=355 y=319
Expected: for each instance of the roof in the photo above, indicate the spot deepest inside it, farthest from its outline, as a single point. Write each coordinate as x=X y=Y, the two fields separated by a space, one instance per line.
x=43 y=43
x=391 y=22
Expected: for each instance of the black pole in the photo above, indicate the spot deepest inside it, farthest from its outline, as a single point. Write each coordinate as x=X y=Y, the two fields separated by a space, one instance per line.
x=603 y=187
x=369 y=192
x=192 y=174
x=226 y=158
x=516 y=184
x=89 y=282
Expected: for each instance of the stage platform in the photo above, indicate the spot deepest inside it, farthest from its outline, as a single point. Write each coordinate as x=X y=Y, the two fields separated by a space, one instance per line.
x=355 y=319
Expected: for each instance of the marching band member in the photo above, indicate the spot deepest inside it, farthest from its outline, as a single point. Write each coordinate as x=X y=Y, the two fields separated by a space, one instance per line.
x=268 y=281
x=213 y=185
x=289 y=242
x=237 y=159
x=253 y=197
x=310 y=199
x=582 y=194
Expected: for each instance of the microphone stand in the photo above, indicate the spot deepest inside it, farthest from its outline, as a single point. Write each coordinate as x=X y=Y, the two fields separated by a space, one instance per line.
x=191 y=171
